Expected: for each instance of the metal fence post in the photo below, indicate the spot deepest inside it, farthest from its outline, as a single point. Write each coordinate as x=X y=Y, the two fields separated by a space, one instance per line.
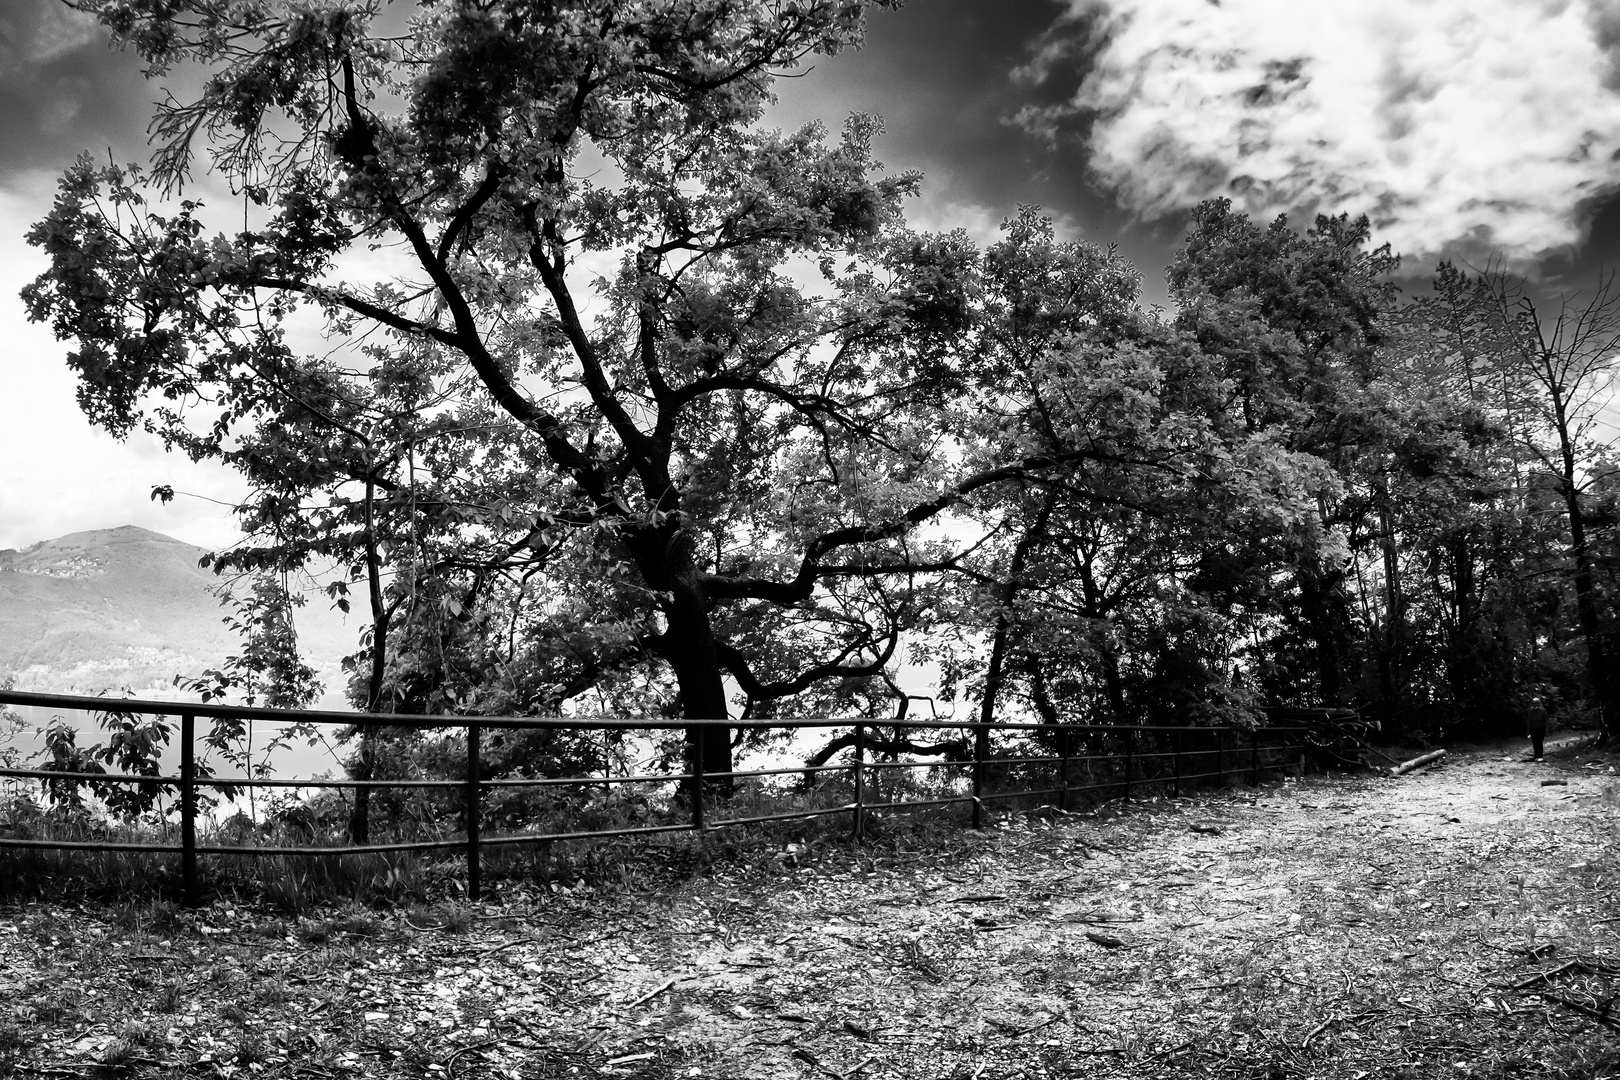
x=1254 y=757
x=1220 y=758
x=697 y=780
x=191 y=894
x=1130 y=754
x=1066 y=750
x=474 y=808
x=981 y=739
x=1177 y=787
x=859 y=824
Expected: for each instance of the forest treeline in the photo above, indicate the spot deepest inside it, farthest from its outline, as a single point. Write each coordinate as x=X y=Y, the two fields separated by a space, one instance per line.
x=603 y=397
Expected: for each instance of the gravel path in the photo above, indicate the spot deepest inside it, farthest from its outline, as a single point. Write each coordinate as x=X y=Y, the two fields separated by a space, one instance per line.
x=1337 y=926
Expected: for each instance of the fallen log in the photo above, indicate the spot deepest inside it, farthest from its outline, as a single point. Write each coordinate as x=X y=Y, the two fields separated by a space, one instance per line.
x=1417 y=762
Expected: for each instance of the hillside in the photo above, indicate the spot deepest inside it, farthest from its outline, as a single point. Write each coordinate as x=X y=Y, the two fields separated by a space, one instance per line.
x=125 y=607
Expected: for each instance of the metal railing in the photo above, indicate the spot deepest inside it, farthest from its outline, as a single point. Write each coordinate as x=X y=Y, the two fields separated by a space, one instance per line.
x=1134 y=757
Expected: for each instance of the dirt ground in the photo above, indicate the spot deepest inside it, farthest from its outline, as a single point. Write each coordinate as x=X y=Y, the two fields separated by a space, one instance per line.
x=1462 y=921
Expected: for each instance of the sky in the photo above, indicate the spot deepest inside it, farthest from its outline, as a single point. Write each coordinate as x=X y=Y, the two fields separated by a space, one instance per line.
x=1469 y=129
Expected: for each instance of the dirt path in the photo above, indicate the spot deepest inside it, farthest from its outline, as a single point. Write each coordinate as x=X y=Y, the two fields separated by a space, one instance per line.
x=1331 y=927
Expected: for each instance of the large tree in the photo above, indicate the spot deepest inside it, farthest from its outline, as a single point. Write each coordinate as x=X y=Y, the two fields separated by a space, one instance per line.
x=1292 y=321
x=588 y=379
x=1101 y=589
x=1546 y=367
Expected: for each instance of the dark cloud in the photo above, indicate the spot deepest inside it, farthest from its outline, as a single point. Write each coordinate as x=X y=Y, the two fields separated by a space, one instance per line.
x=951 y=79
x=1597 y=254
x=63 y=90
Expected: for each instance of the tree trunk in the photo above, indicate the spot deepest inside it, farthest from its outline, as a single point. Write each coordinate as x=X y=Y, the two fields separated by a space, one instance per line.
x=1316 y=591
x=364 y=767
x=1586 y=610
x=1586 y=605
x=1039 y=692
x=689 y=648
x=995 y=674
x=1113 y=682
x=1103 y=642
x=1389 y=648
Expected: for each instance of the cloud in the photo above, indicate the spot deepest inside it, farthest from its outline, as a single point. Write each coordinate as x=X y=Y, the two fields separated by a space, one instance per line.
x=57 y=473
x=1457 y=126
x=34 y=32
x=62 y=90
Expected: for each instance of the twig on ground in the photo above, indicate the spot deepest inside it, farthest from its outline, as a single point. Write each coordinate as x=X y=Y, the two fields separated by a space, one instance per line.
x=814 y=1062
x=628 y=1058
x=504 y=945
x=1544 y=976
x=1602 y=1016
x=860 y=1066
x=660 y=988
x=1036 y=1027
x=450 y=1065
x=1171 y=1051
x=1305 y=1043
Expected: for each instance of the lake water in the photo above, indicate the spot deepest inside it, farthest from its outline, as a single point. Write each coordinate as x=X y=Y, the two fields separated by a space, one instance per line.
x=298 y=759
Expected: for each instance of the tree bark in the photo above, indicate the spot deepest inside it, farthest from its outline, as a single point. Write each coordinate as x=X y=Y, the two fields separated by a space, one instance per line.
x=364 y=766
x=949 y=750
x=995 y=674
x=1389 y=648
x=1586 y=604
x=1586 y=611
x=688 y=646
x=1103 y=642
x=1316 y=590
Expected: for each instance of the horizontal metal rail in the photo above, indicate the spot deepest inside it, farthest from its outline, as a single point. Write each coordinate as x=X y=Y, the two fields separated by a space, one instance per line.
x=1142 y=748
x=152 y=707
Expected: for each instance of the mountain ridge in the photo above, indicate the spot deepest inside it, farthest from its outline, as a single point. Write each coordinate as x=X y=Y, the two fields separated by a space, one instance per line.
x=128 y=608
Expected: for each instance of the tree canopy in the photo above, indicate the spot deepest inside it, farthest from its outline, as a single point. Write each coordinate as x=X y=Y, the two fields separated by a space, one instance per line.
x=604 y=396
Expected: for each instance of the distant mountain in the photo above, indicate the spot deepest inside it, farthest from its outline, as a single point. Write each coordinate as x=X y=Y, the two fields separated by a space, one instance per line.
x=126 y=607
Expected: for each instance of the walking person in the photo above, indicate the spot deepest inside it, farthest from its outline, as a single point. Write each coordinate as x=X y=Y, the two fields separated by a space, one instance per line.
x=1535 y=722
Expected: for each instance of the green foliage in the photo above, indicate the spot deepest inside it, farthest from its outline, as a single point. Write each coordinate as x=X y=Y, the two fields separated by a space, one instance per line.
x=12 y=727
x=269 y=666
x=651 y=410
x=132 y=749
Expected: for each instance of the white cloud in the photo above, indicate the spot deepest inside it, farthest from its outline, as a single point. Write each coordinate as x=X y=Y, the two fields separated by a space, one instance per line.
x=57 y=473
x=1453 y=124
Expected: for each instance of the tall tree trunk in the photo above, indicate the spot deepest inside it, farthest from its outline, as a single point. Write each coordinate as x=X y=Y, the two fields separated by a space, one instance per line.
x=1039 y=693
x=1586 y=604
x=689 y=648
x=1389 y=647
x=1103 y=642
x=995 y=674
x=663 y=556
x=1461 y=663
x=1586 y=609
x=364 y=767
x=1317 y=600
